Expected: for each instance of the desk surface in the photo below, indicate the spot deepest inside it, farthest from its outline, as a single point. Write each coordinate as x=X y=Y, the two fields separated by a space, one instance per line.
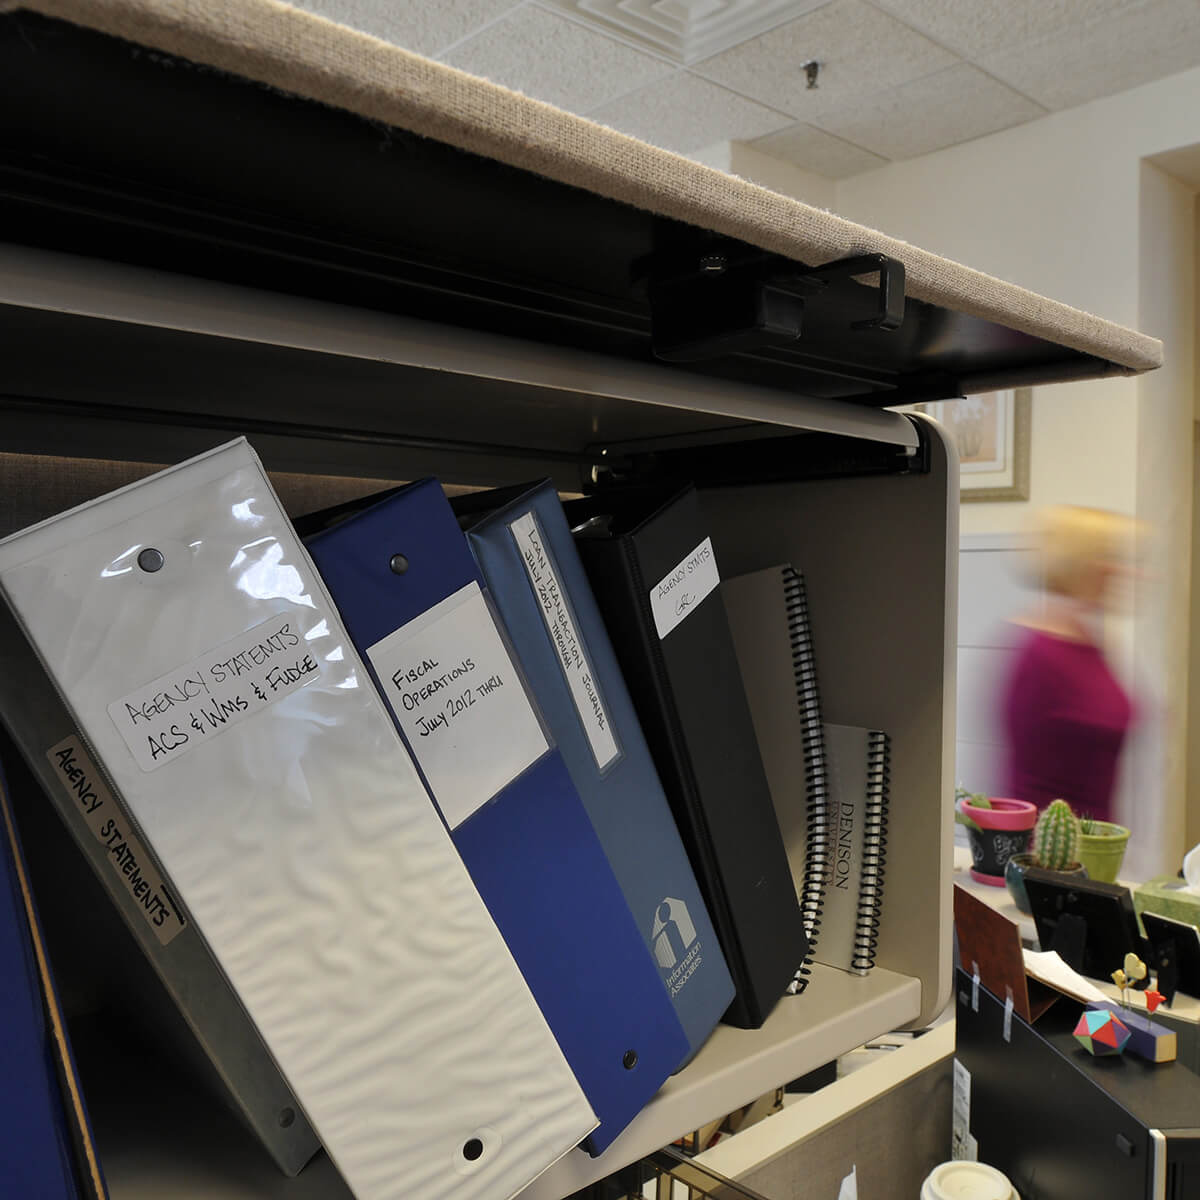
x=1185 y=1008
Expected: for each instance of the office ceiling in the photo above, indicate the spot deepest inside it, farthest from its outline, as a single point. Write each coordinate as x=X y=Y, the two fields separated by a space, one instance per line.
x=896 y=79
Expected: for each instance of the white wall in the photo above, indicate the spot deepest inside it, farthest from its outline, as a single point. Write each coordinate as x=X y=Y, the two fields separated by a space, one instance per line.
x=995 y=581
x=739 y=159
x=1162 y=603
x=1066 y=206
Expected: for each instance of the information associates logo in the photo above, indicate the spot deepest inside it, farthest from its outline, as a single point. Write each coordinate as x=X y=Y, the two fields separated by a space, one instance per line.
x=673 y=932
x=675 y=945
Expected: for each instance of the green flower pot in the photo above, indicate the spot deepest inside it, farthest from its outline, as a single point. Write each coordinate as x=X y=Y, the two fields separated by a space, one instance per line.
x=1103 y=850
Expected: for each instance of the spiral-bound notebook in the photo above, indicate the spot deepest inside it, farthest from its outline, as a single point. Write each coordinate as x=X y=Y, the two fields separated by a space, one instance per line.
x=768 y=615
x=857 y=762
x=828 y=782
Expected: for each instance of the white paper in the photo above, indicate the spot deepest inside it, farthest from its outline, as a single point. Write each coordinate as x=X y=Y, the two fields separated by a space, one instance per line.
x=568 y=646
x=1050 y=969
x=211 y=694
x=849 y=1188
x=1191 y=870
x=85 y=787
x=680 y=591
x=962 y=1143
x=449 y=679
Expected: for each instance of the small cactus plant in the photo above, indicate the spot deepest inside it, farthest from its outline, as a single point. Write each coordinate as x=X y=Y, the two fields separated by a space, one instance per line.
x=1056 y=837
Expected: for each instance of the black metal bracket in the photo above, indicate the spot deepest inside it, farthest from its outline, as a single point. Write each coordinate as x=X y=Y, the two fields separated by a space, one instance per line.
x=719 y=306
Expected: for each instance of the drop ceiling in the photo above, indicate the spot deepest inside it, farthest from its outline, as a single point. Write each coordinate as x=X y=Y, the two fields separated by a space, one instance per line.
x=897 y=78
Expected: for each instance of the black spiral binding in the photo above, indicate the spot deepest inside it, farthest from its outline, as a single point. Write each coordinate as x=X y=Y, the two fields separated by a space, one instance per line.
x=817 y=861
x=874 y=862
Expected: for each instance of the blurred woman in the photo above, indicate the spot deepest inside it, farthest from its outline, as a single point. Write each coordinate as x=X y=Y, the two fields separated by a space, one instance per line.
x=1064 y=713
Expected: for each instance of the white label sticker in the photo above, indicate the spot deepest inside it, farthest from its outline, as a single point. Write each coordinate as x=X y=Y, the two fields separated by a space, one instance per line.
x=448 y=677
x=87 y=791
x=572 y=656
x=180 y=711
x=962 y=1143
x=678 y=593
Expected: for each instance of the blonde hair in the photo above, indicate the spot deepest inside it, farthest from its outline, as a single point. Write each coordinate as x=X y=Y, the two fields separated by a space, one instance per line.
x=1074 y=543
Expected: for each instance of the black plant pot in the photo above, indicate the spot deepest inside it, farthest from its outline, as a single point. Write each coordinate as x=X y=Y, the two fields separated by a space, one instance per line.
x=1002 y=831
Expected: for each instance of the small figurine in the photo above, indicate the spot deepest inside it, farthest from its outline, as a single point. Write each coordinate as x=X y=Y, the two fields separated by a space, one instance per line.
x=1101 y=1032
x=1143 y=1037
x=1133 y=973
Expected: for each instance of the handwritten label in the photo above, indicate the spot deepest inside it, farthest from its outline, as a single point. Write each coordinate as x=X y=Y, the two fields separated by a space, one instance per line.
x=124 y=853
x=560 y=624
x=448 y=677
x=679 y=593
x=193 y=704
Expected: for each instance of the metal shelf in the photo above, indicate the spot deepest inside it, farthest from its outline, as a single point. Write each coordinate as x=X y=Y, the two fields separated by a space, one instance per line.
x=330 y=386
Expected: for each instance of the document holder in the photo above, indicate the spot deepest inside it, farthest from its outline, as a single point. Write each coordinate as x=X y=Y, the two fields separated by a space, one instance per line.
x=523 y=546
x=411 y=596
x=211 y=680
x=652 y=567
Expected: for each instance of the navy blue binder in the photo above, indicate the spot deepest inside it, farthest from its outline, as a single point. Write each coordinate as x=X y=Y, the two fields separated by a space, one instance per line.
x=524 y=548
x=45 y=1138
x=412 y=598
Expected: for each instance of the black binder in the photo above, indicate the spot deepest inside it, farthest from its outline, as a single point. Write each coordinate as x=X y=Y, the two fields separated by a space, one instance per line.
x=654 y=573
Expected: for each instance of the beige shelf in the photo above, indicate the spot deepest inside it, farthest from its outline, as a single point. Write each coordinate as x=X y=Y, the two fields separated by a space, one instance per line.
x=837 y=1013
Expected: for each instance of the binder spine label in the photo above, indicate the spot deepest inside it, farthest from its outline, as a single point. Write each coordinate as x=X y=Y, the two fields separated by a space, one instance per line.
x=569 y=647
x=449 y=678
x=175 y=713
x=679 y=593
x=124 y=853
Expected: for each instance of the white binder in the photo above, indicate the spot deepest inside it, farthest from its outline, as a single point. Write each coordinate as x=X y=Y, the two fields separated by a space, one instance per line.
x=206 y=667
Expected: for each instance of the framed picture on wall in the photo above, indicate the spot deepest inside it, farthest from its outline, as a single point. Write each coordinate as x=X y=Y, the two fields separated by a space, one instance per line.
x=992 y=432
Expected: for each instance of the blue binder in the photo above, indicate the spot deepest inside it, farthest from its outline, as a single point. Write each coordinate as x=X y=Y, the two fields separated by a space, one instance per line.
x=37 y=1145
x=524 y=548
x=530 y=848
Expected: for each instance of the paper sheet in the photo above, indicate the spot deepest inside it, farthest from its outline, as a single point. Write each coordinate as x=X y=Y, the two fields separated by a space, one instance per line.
x=1049 y=968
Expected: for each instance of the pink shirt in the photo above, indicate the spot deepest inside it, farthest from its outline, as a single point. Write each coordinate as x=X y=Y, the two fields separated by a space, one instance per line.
x=1065 y=716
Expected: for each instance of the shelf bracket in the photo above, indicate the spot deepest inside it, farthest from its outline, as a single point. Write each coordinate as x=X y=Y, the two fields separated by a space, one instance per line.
x=719 y=306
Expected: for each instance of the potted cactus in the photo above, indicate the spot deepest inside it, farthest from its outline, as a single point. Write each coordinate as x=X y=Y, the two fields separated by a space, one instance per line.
x=1055 y=848
x=996 y=830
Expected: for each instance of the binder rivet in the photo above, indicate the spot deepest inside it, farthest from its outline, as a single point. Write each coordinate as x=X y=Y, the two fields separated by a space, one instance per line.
x=286 y=1117
x=629 y=1060
x=151 y=560
x=472 y=1149
x=398 y=563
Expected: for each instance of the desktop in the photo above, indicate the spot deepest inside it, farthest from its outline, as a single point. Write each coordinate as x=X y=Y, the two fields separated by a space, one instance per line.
x=1063 y=1125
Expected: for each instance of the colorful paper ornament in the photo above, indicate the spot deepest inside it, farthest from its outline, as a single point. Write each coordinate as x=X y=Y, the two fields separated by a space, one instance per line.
x=1153 y=999
x=1100 y=1032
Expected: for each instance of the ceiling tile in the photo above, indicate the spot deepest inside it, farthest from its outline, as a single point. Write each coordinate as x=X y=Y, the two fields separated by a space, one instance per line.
x=685 y=113
x=1103 y=57
x=554 y=59
x=927 y=114
x=982 y=25
x=414 y=24
x=860 y=49
x=815 y=150
x=685 y=30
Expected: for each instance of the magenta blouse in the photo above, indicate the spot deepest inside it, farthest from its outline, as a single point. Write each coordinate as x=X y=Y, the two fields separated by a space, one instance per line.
x=1065 y=716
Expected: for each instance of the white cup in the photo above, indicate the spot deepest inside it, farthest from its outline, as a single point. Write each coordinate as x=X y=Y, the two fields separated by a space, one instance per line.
x=967 y=1181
